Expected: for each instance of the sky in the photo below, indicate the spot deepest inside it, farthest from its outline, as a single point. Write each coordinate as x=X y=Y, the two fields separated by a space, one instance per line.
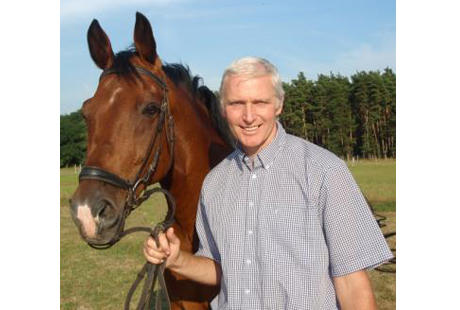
x=314 y=37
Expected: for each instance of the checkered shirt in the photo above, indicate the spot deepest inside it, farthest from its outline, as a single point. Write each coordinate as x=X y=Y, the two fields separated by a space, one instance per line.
x=282 y=229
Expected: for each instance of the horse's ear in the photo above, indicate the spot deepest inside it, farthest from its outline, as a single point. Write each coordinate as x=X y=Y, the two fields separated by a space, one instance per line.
x=99 y=46
x=143 y=39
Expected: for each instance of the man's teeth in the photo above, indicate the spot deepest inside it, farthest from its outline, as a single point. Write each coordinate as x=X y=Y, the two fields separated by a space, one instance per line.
x=252 y=128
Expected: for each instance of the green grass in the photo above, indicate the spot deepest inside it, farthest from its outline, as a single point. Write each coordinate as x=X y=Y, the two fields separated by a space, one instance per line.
x=92 y=279
x=377 y=180
x=69 y=181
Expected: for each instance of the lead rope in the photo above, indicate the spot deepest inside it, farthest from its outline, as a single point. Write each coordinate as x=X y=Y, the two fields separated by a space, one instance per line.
x=154 y=272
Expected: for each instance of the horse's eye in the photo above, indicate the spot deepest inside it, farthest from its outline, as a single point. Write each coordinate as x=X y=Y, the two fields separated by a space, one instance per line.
x=151 y=109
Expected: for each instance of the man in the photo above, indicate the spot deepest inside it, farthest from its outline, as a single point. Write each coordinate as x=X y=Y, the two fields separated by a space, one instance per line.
x=281 y=221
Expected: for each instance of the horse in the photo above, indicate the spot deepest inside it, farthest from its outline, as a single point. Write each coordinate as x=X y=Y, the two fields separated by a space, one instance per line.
x=147 y=122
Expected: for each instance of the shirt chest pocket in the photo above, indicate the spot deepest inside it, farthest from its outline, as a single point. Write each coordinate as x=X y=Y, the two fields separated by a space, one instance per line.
x=292 y=228
x=283 y=217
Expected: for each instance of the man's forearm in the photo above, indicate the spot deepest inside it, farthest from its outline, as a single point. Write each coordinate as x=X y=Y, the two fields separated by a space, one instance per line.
x=354 y=291
x=197 y=268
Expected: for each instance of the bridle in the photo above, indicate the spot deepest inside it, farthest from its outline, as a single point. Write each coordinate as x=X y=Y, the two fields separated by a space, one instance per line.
x=138 y=193
x=136 y=196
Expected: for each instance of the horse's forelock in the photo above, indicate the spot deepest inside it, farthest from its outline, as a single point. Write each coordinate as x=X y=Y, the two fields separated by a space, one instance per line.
x=122 y=62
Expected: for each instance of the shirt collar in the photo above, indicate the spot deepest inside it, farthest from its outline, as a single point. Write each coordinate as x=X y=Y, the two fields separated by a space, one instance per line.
x=268 y=154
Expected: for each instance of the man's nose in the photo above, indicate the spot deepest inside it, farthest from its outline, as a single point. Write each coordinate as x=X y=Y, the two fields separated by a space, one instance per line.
x=248 y=113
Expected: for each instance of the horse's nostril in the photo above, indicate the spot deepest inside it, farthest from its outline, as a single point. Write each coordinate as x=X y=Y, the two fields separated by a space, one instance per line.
x=102 y=208
x=106 y=214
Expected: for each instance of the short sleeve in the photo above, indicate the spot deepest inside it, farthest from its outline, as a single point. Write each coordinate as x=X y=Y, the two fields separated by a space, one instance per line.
x=207 y=246
x=354 y=239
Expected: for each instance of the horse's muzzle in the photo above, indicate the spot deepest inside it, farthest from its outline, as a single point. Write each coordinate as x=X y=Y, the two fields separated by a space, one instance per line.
x=97 y=222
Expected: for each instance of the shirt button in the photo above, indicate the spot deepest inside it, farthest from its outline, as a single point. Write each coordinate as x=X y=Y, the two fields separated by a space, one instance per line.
x=247 y=291
x=248 y=261
x=254 y=176
x=250 y=232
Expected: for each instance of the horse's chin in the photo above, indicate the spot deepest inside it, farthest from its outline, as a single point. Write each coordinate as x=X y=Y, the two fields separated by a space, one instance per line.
x=100 y=242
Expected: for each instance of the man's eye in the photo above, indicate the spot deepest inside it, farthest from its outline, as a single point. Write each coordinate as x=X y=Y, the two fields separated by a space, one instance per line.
x=235 y=103
x=151 y=109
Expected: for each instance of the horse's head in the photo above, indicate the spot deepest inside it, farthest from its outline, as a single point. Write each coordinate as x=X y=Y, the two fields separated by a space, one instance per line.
x=128 y=126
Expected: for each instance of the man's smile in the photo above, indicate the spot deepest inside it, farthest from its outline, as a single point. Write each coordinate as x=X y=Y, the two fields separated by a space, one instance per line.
x=250 y=129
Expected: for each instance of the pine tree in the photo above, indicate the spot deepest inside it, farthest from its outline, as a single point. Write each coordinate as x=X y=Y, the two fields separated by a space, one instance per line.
x=389 y=81
x=296 y=104
x=72 y=139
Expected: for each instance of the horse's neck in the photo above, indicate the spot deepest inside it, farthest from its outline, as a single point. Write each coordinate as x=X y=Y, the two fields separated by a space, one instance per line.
x=198 y=149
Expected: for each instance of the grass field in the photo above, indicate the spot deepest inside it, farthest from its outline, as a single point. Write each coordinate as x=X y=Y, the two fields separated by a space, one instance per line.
x=377 y=180
x=92 y=279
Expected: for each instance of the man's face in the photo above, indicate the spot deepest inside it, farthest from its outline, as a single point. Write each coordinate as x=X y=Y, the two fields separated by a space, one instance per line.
x=251 y=108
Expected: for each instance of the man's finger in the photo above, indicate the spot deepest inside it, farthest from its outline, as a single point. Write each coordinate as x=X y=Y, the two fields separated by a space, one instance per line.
x=150 y=243
x=172 y=236
x=164 y=244
x=153 y=259
x=155 y=253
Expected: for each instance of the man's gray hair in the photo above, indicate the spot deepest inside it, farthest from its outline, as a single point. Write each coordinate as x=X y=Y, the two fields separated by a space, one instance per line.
x=252 y=67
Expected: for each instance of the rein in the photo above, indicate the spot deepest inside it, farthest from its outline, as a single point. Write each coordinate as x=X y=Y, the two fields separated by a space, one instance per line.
x=138 y=193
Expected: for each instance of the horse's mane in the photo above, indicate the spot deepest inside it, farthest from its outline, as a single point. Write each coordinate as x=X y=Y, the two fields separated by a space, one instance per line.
x=181 y=75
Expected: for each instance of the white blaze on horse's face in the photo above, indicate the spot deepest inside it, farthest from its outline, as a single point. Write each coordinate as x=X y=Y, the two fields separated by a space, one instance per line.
x=114 y=95
x=88 y=223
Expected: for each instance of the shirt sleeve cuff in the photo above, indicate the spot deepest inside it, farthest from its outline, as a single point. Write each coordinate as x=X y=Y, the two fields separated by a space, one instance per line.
x=361 y=264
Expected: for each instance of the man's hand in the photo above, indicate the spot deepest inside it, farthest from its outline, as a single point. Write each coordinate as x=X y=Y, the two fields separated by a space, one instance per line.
x=197 y=268
x=168 y=250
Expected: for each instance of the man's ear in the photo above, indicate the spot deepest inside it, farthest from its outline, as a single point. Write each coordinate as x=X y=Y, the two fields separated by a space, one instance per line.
x=280 y=107
x=223 y=113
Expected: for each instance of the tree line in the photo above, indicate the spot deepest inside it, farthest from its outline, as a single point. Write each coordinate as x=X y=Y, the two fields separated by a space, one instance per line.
x=353 y=117
x=73 y=139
